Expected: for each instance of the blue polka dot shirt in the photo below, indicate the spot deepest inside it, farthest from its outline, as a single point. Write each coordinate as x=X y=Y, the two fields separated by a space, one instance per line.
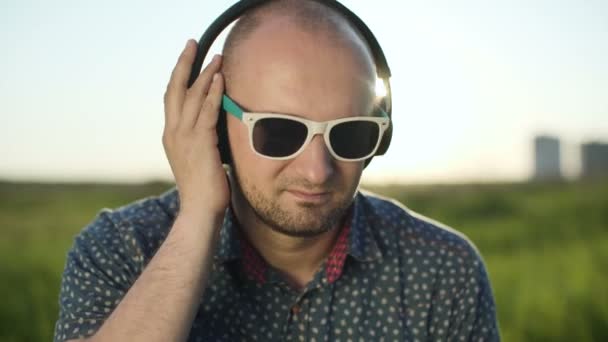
x=404 y=278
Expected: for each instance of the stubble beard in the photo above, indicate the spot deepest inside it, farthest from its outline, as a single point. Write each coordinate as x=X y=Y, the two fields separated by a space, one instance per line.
x=309 y=221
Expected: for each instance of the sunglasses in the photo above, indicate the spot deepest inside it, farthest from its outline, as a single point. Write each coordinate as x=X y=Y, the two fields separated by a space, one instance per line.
x=281 y=136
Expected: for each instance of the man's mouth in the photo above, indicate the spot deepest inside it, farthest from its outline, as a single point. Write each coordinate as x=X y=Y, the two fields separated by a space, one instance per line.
x=317 y=197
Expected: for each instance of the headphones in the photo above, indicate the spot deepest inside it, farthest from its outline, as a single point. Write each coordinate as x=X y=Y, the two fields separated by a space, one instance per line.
x=243 y=6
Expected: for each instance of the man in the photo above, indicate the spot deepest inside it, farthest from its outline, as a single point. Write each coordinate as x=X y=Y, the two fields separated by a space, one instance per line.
x=281 y=249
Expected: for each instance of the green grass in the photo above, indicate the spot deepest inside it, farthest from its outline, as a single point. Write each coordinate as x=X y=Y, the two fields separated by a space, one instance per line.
x=545 y=246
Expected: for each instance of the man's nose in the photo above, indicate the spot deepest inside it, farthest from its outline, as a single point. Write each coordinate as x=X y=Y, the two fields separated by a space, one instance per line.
x=315 y=163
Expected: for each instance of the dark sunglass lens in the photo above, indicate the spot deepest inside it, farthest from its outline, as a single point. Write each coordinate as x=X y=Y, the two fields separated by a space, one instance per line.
x=277 y=137
x=354 y=139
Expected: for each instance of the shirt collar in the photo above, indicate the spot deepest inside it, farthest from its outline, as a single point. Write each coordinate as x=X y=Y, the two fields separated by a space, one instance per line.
x=357 y=238
x=363 y=243
x=229 y=246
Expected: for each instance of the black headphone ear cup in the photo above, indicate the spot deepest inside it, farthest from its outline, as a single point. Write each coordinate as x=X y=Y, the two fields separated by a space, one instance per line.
x=222 y=134
x=386 y=140
x=387 y=105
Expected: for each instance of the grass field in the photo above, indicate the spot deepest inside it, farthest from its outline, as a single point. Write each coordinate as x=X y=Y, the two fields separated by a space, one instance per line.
x=545 y=246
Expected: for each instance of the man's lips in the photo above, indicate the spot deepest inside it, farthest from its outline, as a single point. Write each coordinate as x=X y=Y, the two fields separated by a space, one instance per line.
x=310 y=196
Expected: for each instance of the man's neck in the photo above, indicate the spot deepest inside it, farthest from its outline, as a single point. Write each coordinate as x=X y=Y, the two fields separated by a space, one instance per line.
x=297 y=258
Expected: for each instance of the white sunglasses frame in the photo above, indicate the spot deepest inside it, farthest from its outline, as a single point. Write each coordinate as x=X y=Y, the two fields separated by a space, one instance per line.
x=313 y=128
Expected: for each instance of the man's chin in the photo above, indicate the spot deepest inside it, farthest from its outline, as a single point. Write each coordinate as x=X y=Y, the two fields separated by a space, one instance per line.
x=305 y=220
x=298 y=215
x=302 y=231
x=299 y=232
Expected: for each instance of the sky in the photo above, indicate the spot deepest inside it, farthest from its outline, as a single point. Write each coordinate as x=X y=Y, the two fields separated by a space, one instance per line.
x=473 y=82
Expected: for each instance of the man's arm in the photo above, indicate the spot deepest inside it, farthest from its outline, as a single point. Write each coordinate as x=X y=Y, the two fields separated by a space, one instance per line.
x=162 y=302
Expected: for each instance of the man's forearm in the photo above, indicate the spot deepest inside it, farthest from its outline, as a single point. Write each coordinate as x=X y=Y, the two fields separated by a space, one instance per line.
x=162 y=303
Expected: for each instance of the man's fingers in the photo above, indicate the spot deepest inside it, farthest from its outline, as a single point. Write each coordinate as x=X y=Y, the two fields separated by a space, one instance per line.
x=176 y=89
x=195 y=96
x=207 y=119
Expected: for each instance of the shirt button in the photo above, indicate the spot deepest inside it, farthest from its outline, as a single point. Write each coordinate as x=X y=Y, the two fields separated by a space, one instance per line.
x=295 y=309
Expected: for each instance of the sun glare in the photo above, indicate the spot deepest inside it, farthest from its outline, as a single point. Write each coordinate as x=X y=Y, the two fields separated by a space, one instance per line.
x=380 y=88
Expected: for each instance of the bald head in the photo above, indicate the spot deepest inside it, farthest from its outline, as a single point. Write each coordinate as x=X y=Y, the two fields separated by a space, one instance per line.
x=308 y=16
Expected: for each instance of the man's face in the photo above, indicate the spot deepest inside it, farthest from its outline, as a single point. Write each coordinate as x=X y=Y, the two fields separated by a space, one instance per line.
x=282 y=69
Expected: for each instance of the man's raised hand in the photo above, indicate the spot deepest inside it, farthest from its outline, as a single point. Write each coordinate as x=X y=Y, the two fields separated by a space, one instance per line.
x=190 y=138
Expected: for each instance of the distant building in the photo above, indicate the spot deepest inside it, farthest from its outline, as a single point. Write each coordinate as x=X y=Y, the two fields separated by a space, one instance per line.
x=547 y=159
x=594 y=156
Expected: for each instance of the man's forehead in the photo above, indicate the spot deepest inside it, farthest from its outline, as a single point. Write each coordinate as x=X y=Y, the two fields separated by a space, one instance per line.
x=289 y=60
x=279 y=37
